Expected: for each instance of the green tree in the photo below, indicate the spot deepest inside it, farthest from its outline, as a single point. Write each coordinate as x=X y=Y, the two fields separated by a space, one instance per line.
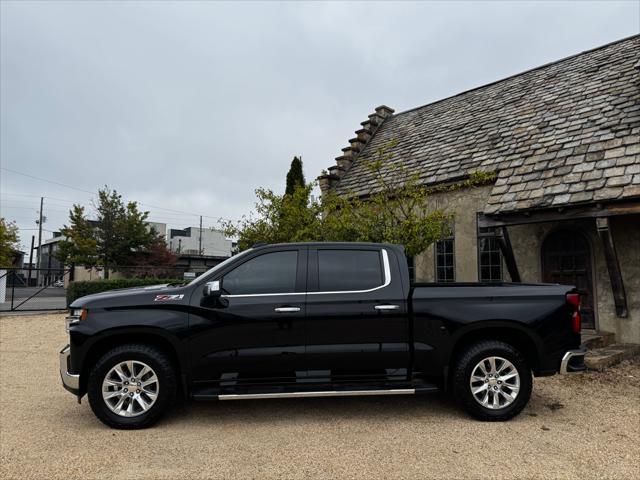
x=396 y=210
x=295 y=176
x=9 y=242
x=79 y=245
x=121 y=230
x=279 y=218
x=118 y=237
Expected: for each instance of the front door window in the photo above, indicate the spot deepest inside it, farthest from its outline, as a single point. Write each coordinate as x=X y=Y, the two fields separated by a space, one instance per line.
x=269 y=273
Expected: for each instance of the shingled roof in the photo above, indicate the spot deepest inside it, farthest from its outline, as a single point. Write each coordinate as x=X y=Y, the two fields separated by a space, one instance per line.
x=562 y=134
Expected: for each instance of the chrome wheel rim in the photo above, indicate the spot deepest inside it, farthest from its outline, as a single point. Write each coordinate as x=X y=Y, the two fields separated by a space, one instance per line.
x=130 y=388
x=495 y=383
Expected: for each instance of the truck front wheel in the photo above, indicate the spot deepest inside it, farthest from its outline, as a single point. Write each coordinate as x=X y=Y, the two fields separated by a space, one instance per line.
x=131 y=386
x=492 y=381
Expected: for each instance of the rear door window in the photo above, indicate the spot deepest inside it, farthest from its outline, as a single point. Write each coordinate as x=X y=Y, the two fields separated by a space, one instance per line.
x=349 y=270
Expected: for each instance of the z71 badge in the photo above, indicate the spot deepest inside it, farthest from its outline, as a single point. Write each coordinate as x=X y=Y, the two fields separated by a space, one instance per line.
x=168 y=298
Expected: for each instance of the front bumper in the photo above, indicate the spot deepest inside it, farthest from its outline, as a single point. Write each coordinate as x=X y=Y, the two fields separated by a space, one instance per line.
x=70 y=381
x=573 y=361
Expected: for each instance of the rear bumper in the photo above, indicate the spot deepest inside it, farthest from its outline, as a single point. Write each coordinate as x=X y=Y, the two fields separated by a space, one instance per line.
x=573 y=361
x=70 y=381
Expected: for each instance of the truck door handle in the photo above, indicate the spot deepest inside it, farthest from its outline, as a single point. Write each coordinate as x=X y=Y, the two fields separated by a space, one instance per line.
x=287 y=309
x=387 y=307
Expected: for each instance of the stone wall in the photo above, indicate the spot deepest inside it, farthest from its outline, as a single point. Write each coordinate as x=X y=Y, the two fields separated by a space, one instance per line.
x=465 y=204
x=626 y=234
x=527 y=245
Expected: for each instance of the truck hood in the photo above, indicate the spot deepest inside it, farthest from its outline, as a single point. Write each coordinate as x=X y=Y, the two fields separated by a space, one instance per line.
x=147 y=295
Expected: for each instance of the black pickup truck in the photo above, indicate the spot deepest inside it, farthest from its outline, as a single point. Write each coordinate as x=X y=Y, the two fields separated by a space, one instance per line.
x=317 y=319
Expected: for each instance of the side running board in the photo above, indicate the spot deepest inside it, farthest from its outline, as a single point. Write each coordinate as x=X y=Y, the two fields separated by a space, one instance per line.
x=330 y=393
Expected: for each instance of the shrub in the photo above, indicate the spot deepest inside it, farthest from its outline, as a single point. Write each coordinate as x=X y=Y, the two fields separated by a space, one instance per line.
x=80 y=289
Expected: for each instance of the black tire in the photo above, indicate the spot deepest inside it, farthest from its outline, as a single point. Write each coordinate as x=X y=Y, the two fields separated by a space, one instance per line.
x=463 y=370
x=154 y=358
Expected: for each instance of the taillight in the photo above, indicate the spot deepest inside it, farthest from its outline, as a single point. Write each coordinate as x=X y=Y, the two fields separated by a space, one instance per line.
x=573 y=299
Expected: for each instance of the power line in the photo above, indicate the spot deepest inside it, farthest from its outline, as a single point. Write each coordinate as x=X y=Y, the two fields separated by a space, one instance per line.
x=19 y=195
x=45 y=180
x=35 y=208
x=29 y=203
x=94 y=193
x=3 y=194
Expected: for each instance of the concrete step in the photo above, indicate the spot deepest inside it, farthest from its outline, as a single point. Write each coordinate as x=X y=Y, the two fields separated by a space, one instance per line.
x=601 y=358
x=595 y=339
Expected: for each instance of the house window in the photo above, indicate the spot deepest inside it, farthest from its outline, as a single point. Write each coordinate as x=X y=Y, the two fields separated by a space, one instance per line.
x=489 y=255
x=445 y=260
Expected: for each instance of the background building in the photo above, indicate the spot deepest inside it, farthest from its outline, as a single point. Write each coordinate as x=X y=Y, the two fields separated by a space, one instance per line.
x=196 y=241
x=50 y=269
x=161 y=228
x=564 y=142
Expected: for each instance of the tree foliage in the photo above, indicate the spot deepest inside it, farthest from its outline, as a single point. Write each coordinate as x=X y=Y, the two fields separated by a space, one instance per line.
x=79 y=245
x=396 y=210
x=118 y=237
x=295 y=176
x=156 y=260
x=278 y=219
x=9 y=242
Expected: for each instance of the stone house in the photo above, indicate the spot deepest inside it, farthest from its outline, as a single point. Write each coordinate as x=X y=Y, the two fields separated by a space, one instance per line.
x=564 y=142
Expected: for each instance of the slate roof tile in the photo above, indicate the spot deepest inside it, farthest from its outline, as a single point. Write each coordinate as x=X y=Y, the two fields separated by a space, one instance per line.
x=566 y=122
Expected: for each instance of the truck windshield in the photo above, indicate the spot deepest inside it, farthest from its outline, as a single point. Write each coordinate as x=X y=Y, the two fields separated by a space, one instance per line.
x=220 y=266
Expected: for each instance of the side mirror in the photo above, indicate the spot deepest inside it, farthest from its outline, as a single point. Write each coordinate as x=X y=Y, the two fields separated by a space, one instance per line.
x=212 y=289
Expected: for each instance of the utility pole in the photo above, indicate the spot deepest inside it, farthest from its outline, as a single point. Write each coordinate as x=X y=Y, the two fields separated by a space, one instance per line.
x=33 y=239
x=39 y=240
x=200 y=239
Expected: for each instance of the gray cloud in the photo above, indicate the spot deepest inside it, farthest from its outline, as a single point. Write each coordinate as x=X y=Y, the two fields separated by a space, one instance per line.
x=191 y=106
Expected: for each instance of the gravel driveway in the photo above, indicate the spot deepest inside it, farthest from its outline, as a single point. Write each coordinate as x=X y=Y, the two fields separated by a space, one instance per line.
x=574 y=427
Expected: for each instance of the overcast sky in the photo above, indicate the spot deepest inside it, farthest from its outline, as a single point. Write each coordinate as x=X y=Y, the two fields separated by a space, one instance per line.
x=191 y=106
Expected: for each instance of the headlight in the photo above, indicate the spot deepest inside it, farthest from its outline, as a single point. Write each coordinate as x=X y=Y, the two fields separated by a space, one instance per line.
x=75 y=316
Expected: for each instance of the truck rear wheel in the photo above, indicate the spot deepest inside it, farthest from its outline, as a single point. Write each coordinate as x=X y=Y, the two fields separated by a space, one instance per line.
x=492 y=381
x=131 y=386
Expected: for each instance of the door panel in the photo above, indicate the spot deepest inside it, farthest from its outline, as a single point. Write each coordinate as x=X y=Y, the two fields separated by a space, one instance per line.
x=566 y=259
x=347 y=336
x=252 y=334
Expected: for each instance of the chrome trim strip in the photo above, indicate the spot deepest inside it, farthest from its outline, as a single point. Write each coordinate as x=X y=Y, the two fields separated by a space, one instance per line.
x=567 y=357
x=287 y=309
x=244 y=295
x=387 y=281
x=71 y=380
x=331 y=393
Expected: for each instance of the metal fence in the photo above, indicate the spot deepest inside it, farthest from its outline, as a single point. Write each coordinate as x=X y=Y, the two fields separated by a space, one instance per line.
x=33 y=289
x=38 y=289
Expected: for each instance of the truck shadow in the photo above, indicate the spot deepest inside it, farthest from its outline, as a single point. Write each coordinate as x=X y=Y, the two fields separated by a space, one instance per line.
x=316 y=409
